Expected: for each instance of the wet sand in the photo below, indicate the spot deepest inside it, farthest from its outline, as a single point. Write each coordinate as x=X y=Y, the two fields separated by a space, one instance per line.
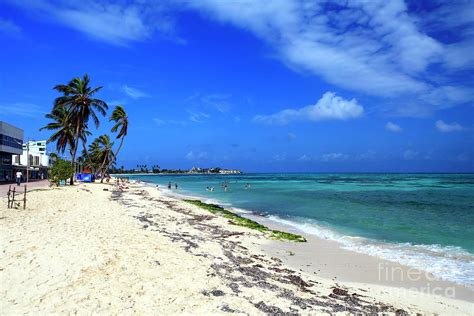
x=327 y=259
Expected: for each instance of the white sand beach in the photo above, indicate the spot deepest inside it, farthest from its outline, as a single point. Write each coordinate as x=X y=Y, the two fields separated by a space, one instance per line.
x=89 y=248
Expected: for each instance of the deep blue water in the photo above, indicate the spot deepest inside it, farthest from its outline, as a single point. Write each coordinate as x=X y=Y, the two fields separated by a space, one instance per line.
x=411 y=218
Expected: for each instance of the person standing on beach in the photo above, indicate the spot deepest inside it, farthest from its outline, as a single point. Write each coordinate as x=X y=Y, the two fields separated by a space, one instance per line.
x=169 y=185
x=18 y=177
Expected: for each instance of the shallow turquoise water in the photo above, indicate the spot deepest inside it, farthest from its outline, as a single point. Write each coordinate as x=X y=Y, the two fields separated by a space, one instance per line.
x=421 y=217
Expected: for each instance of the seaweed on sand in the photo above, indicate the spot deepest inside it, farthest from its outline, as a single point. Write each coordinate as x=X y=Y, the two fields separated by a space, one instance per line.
x=245 y=222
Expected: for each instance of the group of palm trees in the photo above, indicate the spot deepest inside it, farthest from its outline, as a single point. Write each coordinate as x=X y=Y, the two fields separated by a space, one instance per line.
x=70 y=117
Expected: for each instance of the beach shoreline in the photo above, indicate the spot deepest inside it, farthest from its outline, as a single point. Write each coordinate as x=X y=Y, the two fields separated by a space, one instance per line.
x=327 y=258
x=93 y=248
x=381 y=272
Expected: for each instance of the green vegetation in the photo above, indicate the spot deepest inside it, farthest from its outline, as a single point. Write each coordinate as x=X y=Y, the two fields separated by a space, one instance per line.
x=276 y=234
x=245 y=222
x=101 y=152
x=70 y=118
x=61 y=170
x=78 y=103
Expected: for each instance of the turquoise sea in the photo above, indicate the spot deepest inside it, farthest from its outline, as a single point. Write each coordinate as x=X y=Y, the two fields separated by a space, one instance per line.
x=425 y=221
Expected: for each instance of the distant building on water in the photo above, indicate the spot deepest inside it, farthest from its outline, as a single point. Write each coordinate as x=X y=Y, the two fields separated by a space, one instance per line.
x=214 y=170
x=230 y=171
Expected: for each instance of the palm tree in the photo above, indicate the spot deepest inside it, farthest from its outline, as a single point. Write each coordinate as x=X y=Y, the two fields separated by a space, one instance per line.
x=78 y=101
x=101 y=152
x=87 y=160
x=64 y=136
x=121 y=125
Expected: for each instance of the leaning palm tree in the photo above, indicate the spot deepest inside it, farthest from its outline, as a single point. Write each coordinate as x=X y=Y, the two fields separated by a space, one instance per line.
x=92 y=157
x=101 y=151
x=80 y=105
x=86 y=161
x=119 y=116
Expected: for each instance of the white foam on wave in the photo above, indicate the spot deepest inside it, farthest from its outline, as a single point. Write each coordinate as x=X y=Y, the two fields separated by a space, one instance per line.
x=444 y=262
x=212 y=201
x=241 y=210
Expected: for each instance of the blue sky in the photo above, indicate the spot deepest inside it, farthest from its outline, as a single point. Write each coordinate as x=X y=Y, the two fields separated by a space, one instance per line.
x=261 y=86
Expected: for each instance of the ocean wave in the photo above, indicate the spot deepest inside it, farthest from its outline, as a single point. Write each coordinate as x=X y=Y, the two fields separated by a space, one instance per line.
x=444 y=262
x=216 y=202
x=241 y=211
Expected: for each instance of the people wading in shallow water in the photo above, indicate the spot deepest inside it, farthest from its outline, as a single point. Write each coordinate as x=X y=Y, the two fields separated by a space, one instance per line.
x=176 y=185
x=169 y=185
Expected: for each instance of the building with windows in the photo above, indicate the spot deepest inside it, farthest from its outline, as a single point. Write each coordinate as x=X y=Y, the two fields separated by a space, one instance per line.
x=11 y=143
x=34 y=155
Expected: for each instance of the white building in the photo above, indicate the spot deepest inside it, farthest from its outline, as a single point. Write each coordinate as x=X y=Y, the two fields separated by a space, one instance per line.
x=230 y=171
x=11 y=138
x=35 y=156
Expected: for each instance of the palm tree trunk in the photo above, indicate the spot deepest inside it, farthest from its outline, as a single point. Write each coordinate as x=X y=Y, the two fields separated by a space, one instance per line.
x=116 y=153
x=76 y=144
x=85 y=151
x=101 y=167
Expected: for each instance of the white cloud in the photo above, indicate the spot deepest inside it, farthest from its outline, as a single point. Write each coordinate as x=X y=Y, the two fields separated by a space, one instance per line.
x=9 y=27
x=196 y=156
x=134 y=92
x=215 y=101
x=218 y=101
x=392 y=127
x=410 y=154
x=324 y=45
x=448 y=127
x=116 y=23
x=197 y=117
x=328 y=107
x=457 y=16
x=177 y=122
x=334 y=157
x=304 y=158
x=159 y=122
x=22 y=109
x=368 y=155
x=279 y=157
x=375 y=47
